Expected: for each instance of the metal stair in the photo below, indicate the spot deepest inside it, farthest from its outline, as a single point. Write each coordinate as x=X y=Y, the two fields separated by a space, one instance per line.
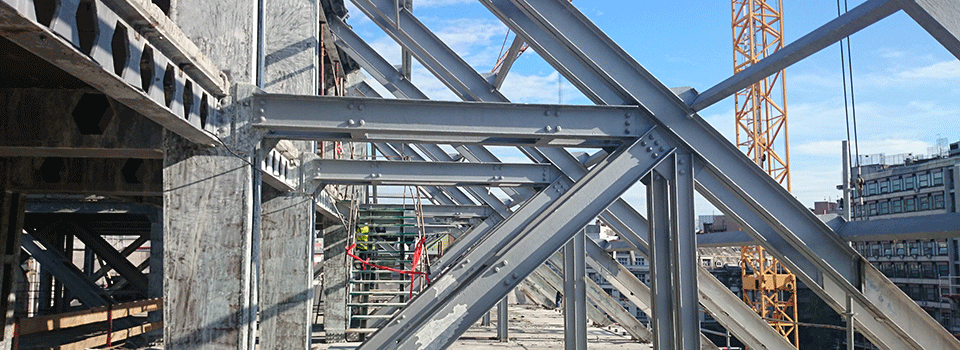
x=376 y=294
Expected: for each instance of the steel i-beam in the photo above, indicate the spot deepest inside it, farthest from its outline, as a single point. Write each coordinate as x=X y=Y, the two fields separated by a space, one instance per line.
x=461 y=296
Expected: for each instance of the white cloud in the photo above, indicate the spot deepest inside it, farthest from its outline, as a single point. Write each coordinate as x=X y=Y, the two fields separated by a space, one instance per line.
x=941 y=70
x=537 y=88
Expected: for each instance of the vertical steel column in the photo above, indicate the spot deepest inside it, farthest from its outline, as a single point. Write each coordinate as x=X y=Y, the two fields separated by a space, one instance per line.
x=684 y=254
x=503 y=321
x=849 y=318
x=658 y=207
x=575 y=293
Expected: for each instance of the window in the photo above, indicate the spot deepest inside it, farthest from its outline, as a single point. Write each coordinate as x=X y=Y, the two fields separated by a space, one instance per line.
x=938 y=201
x=899 y=270
x=639 y=260
x=873 y=208
x=623 y=260
x=910 y=204
x=943 y=270
x=886 y=248
x=862 y=248
x=871 y=189
x=884 y=208
x=950 y=177
x=901 y=249
x=937 y=178
x=927 y=248
x=875 y=249
x=925 y=203
x=885 y=187
x=908 y=182
x=932 y=293
x=896 y=206
x=914 y=248
x=942 y=248
x=928 y=272
x=914 y=270
x=923 y=180
x=914 y=291
x=896 y=185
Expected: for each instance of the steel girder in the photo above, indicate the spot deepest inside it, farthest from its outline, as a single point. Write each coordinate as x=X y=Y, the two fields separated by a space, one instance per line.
x=574 y=293
x=380 y=172
x=514 y=249
x=620 y=215
x=837 y=264
x=419 y=121
x=96 y=44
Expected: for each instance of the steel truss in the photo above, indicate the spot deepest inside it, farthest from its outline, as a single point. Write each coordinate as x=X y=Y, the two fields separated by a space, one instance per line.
x=608 y=76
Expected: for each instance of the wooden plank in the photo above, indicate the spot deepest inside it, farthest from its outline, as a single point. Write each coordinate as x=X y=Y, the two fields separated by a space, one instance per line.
x=115 y=337
x=93 y=315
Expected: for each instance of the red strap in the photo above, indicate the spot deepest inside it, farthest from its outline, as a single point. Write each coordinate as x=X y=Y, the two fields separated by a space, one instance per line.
x=16 y=335
x=367 y=263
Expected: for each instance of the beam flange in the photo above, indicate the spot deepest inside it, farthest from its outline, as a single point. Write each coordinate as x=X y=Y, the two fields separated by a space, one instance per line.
x=346 y=118
x=378 y=172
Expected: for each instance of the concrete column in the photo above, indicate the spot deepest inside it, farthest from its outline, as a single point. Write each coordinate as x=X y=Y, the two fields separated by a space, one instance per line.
x=335 y=274
x=288 y=63
x=11 y=224
x=286 y=270
x=208 y=221
x=155 y=280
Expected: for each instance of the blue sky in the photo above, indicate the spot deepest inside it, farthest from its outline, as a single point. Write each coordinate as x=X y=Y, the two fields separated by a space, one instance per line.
x=907 y=88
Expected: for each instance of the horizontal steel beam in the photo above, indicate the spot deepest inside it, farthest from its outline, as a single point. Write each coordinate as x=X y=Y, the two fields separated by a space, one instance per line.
x=437 y=210
x=347 y=118
x=380 y=172
x=918 y=227
x=90 y=41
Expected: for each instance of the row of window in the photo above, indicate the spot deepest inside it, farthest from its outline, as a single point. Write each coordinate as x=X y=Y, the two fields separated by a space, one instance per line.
x=902 y=183
x=914 y=270
x=921 y=292
x=901 y=205
x=902 y=248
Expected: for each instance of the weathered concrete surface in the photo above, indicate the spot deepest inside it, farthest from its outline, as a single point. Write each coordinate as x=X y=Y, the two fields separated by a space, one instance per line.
x=208 y=222
x=76 y=123
x=335 y=271
x=289 y=65
x=291 y=46
x=286 y=270
x=223 y=30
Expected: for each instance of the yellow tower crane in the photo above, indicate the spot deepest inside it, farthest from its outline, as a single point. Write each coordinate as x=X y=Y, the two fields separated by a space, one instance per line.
x=761 y=124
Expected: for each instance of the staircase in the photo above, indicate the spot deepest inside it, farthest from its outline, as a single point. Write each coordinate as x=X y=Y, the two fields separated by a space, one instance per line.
x=375 y=294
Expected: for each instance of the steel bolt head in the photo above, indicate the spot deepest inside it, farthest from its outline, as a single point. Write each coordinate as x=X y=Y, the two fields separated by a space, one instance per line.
x=496 y=269
x=649 y=149
x=558 y=128
x=351 y=122
x=263 y=119
x=655 y=155
x=549 y=128
x=661 y=148
x=362 y=122
x=349 y=106
x=643 y=143
x=626 y=130
x=360 y=107
x=627 y=122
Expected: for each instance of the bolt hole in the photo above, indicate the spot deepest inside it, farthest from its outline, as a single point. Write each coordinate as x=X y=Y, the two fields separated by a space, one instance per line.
x=51 y=170
x=133 y=171
x=87 y=28
x=204 y=111
x=46 y=10
x=146 y=69
x=168 y=85
x=120 y=48
x=92 y=114
x=187 y=99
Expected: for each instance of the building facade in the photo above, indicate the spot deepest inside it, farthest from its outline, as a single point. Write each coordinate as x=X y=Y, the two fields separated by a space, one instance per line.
x=927 y=270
